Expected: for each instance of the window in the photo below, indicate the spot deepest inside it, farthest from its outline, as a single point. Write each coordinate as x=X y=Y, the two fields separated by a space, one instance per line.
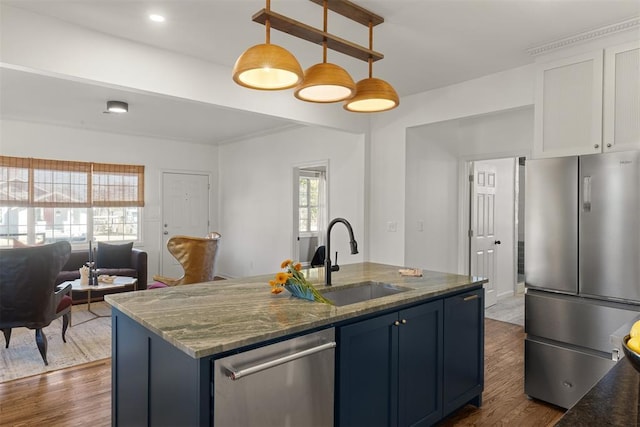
x=43 y=201
x=309 y=202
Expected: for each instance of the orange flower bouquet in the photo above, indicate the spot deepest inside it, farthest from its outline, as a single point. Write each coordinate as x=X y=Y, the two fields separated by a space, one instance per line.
x=294 y=281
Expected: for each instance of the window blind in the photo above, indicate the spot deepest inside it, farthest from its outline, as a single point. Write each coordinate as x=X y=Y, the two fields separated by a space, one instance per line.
x=46 y=183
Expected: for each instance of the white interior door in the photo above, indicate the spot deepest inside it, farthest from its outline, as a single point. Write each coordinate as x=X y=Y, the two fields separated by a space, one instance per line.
x=185 y=211
x=483 y=225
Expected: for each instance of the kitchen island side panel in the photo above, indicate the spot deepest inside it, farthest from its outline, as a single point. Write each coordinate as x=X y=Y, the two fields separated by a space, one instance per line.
x=155 y=383
x=129 y=372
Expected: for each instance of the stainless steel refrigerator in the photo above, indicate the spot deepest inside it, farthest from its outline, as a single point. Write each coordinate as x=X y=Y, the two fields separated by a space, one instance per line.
x=582 y=269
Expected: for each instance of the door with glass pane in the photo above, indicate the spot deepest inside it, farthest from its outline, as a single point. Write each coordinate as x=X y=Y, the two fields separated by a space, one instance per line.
x=310 y=211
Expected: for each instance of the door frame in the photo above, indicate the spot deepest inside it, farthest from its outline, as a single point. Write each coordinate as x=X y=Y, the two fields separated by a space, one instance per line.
x=464 y=216
x=295 y=247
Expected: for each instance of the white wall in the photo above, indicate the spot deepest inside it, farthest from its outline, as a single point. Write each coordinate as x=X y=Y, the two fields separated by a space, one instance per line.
x=507 y=90
x=431 y=202
x=25 y=139
x=256 y=185
x=435 y=156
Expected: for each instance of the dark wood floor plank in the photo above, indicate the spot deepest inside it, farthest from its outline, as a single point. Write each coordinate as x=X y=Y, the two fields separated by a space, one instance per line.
x=77 y=396
x=81 y=395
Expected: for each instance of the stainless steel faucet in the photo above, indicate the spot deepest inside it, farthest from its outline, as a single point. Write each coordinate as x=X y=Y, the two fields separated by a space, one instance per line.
x=327 y=256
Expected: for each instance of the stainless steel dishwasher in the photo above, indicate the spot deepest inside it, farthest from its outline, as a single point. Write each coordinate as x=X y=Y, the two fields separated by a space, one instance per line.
x=289 y=383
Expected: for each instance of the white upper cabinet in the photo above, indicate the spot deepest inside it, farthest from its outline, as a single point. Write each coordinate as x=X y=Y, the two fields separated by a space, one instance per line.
x=568 y=109
x=588 y=103
x=621 y=123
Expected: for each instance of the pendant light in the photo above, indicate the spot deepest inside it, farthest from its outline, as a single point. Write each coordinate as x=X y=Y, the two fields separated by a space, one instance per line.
x=325 y=82
x=372 y=94
x=267 y=66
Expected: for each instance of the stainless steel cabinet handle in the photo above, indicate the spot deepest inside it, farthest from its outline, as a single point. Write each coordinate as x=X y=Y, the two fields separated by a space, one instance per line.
x=403 y=321
x=237 y=374
x=396 y=323
x=165 y=233
x=471 y=297
x=609 y=145
x=596 y=146
x=586 y=194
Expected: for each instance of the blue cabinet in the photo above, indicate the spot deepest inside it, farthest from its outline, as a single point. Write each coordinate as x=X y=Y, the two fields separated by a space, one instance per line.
x=414 y=366
x=463 y=350
x=389 y=369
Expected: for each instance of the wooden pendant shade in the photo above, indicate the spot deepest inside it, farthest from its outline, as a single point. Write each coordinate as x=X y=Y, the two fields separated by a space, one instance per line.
x=325 y=82
x=267 y=67
x=372 y=95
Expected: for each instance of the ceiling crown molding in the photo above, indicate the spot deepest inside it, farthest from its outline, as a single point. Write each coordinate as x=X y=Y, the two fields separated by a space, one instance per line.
x=629 y=24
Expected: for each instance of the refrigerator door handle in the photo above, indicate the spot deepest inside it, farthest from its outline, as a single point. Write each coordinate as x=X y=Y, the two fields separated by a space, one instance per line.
x=586 y=194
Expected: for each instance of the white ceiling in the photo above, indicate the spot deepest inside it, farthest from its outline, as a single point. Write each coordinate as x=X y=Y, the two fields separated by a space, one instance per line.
x=427 y=44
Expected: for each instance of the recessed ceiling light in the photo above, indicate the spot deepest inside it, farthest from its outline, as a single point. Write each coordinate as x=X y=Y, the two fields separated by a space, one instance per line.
x=156 y=18
x=118 y=107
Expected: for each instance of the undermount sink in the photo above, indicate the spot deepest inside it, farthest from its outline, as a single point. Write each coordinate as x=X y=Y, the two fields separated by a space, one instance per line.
x=364 y=291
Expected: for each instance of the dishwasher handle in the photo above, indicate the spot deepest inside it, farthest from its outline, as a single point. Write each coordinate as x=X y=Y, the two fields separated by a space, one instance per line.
x=237 y=374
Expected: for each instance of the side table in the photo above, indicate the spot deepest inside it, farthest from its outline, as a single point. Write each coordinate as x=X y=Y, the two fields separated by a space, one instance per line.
x=119 y=282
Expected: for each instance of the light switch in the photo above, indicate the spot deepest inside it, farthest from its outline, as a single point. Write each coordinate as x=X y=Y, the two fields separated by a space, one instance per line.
x=420 y=225
x=392 y=226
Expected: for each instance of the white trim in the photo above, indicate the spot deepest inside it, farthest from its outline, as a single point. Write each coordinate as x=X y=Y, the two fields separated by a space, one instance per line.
x=629 y=24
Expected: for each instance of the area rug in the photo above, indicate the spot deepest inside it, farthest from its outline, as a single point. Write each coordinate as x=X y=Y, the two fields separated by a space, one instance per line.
x=87 y=341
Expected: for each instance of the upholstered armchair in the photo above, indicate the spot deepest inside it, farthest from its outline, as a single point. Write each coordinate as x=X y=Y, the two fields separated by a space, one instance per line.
x=197 y=255
x=28 y=297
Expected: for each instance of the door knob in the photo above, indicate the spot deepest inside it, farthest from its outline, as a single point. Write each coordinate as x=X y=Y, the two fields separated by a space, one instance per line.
x=497 y=242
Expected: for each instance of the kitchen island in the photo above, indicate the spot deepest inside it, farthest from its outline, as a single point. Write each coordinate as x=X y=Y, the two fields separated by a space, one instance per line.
x=165 y=341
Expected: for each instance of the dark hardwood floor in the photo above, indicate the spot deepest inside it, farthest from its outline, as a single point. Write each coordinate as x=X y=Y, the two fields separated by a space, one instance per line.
x=81 y=396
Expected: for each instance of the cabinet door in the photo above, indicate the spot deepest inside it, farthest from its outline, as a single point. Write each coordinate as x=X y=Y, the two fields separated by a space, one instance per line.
x=568 y=108
x=622 y=97
x=420 y=365
x=367 y=373
x=463 y=350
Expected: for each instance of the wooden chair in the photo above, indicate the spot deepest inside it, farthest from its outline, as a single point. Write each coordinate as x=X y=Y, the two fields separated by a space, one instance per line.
x=197 y=255
x=28 y=295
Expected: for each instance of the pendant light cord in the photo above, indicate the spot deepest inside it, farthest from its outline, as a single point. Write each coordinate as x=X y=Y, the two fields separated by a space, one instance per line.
x=370 y=48
x=267 y=23
x=324 y=28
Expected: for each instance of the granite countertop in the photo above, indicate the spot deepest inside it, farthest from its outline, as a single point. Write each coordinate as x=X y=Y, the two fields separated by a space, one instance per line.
x=613 y=401
x=214 y=317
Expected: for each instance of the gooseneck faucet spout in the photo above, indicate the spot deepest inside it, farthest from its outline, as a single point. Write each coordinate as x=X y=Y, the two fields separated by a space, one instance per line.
x=327 y=257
